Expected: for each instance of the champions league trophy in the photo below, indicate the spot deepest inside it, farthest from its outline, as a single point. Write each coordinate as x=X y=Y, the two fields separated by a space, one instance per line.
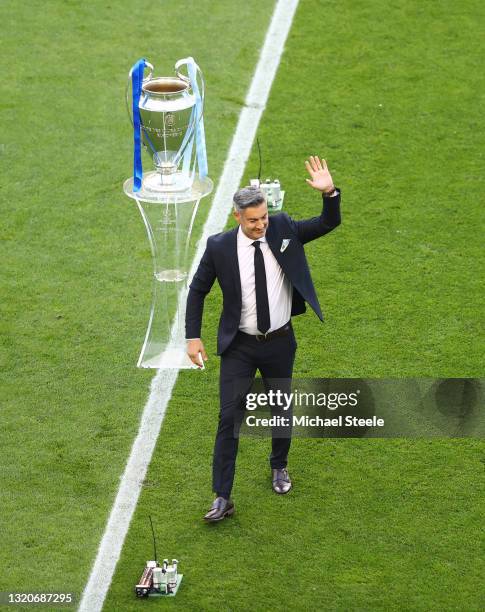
x=167 y=118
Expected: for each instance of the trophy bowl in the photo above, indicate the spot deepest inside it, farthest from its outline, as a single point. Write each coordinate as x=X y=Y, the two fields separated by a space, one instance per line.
x=169 y=116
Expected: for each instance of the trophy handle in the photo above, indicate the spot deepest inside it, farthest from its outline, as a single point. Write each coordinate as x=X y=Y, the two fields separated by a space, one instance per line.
x=184 y=62
x=128 y=104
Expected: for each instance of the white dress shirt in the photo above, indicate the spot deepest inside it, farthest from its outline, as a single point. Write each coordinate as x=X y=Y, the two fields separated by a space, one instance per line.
x=279 y=287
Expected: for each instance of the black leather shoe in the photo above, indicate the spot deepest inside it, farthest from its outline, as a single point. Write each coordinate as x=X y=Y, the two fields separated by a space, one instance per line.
x=281 y=481
x=219 y=510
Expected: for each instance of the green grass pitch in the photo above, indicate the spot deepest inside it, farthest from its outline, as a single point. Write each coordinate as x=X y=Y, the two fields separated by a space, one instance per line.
x=391 y=94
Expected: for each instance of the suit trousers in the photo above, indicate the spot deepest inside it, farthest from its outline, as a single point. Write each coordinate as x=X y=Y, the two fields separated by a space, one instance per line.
x=274 y=359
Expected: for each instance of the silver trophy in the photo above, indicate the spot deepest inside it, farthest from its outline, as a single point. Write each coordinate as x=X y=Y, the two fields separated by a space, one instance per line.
x=166 y=114
x=170 y=111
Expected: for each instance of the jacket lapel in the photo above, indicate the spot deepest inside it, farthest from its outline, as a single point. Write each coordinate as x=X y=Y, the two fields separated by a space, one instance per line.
x=287 y=265
x=274 y=242
x=234 y=261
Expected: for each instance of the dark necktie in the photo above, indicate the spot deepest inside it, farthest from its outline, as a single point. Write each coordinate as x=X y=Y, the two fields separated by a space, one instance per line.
x=262 y=305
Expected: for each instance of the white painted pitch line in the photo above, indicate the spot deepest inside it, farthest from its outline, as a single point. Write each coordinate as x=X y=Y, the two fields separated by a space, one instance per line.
x=162 y=384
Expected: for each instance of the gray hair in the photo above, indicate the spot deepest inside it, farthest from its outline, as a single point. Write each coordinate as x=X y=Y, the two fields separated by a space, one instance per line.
x=248 y=196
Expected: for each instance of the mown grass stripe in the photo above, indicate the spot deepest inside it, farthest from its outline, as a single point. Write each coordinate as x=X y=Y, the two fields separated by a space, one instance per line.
x=162 y=384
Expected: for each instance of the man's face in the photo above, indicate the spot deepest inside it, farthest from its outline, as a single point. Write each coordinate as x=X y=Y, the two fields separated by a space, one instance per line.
x=253 y=220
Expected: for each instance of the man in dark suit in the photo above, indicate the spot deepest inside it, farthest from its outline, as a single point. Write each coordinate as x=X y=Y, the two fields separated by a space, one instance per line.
x=265 y=280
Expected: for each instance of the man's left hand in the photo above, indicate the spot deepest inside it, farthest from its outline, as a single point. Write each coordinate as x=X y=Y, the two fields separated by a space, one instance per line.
x=321 y=177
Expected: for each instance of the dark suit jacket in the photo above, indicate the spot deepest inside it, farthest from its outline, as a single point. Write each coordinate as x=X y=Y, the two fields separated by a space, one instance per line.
x=220 y=261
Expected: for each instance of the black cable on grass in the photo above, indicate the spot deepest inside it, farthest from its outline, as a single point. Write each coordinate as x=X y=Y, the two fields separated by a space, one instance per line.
x=154 y=542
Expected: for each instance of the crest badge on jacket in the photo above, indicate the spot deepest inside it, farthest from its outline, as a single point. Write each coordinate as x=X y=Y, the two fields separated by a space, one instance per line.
x=285 y=242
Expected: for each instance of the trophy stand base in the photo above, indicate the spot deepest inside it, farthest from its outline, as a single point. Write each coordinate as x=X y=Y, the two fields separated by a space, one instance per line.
x=166 y=183
x=168 y=359
x=192 y=192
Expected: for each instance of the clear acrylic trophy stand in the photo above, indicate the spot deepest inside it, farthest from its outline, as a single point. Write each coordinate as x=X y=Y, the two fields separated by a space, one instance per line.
x=169 y=218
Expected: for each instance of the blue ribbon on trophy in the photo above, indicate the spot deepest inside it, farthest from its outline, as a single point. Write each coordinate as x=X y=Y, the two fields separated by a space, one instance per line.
x=196 y=123
x=136 y=83
x=199 y=119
